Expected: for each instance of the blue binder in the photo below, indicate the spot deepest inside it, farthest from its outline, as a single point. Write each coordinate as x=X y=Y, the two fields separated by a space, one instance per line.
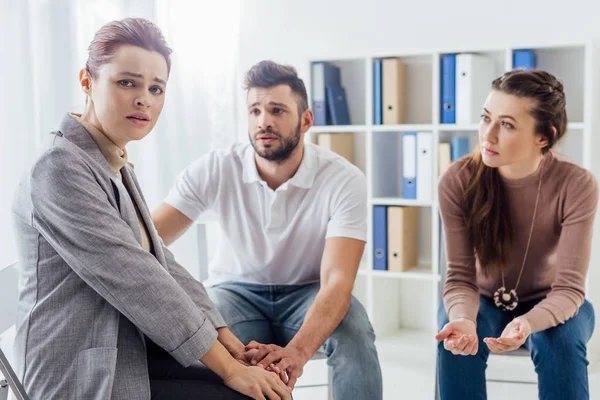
x=377 y=93
x=525 y=59
x=380 y=252
x=337 y=105
x=460 y=147
x=409 y=165
x=323 y=75
x=448 y=83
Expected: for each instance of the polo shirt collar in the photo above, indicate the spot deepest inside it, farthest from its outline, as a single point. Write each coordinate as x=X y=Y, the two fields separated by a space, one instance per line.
x=303 y=178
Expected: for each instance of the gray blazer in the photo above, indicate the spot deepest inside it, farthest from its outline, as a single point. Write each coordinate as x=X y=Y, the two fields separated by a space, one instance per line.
x=88 y=290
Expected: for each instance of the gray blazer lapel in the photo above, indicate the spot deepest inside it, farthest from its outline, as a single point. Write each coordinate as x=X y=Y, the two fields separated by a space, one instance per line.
x=75 y=133
x=131 y=183
x=127 y=209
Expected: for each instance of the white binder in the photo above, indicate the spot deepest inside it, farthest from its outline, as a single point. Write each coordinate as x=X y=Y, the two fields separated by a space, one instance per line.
x=424 y=166
x=474 y=76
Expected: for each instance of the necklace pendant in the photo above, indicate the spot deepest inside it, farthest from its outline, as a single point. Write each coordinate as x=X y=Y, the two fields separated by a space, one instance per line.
x=506 y=301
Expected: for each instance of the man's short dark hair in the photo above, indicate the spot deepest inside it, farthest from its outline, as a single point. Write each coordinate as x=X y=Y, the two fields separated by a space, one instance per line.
x=267 y=74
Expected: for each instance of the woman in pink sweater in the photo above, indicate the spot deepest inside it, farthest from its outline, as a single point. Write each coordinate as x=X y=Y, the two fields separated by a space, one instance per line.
x=518 y=221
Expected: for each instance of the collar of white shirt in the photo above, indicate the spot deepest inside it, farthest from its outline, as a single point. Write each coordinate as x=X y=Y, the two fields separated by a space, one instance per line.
x=303 y=178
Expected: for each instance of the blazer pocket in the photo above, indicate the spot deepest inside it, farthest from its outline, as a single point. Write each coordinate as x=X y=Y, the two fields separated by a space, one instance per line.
x=96 y=373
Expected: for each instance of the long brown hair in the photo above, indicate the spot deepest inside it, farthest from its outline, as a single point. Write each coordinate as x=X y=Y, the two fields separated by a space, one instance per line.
x=484 y=203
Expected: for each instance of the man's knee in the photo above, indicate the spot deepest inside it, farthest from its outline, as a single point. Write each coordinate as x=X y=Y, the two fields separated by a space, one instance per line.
x=233 y=307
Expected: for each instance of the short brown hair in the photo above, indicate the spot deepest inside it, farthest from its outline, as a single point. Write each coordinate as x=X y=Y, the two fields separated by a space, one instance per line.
x=129 y=31
x=267 y=74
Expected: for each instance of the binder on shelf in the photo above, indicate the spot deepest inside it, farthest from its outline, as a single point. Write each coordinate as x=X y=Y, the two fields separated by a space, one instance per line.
x=424 y=166
x=403 y=242
x=337 y=105
x=460 y=147
x=377 y=95
x=409 y=165
x=340 y=143
x=393 y=91
x=380 y=244
x=525 y=59
x=323 y=74
x=448 y=92
x=444 y=157
x=474 y=76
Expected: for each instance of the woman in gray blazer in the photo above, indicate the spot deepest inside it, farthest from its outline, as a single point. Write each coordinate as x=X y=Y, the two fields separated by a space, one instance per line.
x=105 y=311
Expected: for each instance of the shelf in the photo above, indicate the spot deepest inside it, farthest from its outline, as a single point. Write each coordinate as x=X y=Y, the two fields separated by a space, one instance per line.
x=575 y=125
x=402 y=128
x=455 y=128
x=395 y=201
x=420 y=273
x=337 y=128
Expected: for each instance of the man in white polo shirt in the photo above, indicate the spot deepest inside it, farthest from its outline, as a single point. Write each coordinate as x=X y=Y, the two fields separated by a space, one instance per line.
x=295 y=220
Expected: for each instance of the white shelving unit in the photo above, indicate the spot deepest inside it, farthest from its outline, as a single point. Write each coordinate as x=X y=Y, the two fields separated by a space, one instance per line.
x=403 y=305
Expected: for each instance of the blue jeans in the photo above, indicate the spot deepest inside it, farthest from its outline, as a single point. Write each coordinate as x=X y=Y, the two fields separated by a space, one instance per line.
x=558 y=354
x=274 y=314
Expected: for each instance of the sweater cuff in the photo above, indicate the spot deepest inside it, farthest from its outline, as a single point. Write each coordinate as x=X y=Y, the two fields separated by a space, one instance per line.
x=538 y=319
x=461 y=310
x=196 y=346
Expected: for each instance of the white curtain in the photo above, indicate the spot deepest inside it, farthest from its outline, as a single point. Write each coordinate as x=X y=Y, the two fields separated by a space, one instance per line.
x=44 y=45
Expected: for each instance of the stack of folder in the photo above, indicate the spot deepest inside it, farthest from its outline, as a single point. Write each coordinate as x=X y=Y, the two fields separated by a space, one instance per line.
x=417 y=165
x=389 y=91
x=466 y=81
x=395 y=238
x=395 y=229
x=329 y=102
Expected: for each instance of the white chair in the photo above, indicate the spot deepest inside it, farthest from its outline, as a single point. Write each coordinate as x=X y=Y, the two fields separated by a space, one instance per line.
x=204 y=252
x=8 y=308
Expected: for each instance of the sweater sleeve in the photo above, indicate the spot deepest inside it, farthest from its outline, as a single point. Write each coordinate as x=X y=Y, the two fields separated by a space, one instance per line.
x=573 y=254
x=461 y=293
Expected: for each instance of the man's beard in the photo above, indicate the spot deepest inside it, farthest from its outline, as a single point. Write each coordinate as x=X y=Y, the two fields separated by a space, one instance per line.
x=282 y=153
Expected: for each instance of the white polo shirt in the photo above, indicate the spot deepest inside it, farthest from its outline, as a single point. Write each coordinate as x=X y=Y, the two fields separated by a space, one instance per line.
x=277 y=236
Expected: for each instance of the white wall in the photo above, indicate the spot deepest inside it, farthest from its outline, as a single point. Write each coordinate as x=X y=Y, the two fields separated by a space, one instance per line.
x=296 y=32
x=335 y=28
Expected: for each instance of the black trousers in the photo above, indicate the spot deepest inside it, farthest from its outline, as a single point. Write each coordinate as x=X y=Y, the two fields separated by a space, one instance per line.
x=171 y=381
